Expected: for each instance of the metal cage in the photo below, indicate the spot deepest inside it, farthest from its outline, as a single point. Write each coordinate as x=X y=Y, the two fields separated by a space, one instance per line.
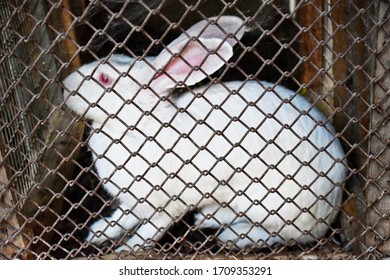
x=334 y=53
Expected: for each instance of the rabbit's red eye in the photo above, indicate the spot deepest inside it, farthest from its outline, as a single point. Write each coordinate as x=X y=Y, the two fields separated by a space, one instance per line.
x=104 y=79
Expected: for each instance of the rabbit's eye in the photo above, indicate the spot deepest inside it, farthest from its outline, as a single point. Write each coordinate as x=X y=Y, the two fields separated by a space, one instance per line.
x=104 y=79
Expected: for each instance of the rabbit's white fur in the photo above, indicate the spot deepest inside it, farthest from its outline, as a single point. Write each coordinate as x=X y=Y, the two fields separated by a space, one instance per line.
x=262 y=152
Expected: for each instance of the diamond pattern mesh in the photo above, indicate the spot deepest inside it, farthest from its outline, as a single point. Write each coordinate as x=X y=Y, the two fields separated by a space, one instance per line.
x=223 y=163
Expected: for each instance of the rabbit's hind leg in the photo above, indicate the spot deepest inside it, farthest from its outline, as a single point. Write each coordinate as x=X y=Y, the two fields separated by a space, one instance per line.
x=111 y=227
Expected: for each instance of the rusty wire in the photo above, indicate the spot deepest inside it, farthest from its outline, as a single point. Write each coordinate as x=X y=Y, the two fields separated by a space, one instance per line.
x=50 y=191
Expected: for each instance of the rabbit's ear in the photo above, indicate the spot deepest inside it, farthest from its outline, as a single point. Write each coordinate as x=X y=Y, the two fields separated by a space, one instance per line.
x=189 y=62
x=226 y=28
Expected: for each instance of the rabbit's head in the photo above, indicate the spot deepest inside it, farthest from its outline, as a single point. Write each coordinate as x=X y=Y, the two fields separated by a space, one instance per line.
x=121 y=88
x=99 y=90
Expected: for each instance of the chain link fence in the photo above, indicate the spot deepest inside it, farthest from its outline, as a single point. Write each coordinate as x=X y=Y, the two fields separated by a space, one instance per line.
x=194 y=129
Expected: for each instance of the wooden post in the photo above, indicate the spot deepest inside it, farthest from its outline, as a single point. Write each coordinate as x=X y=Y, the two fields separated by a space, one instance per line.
x=63 y=20
x=348 y=63
x=377 y=239
x=309 y=44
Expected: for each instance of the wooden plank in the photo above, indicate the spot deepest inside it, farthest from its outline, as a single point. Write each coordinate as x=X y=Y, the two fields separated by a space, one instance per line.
x=377 y=239
x=344 y=54
x=63 y=19
x=277 y=254
x=311 y=23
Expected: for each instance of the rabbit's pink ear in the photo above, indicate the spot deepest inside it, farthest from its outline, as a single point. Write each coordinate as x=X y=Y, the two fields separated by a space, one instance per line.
x=190 y=62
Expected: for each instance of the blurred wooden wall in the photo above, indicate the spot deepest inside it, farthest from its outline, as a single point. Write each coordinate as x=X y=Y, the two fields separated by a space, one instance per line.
x=377 y=238
x=63 y=135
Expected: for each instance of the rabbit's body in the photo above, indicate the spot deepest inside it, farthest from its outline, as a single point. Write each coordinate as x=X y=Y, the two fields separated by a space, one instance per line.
x=235 y=155
x=253 y=157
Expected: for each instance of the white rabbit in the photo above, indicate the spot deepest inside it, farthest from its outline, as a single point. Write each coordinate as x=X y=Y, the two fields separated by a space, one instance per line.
x=253 y=157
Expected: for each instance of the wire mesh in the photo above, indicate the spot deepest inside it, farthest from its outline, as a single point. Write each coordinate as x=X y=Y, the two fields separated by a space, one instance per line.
x=62 y=196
